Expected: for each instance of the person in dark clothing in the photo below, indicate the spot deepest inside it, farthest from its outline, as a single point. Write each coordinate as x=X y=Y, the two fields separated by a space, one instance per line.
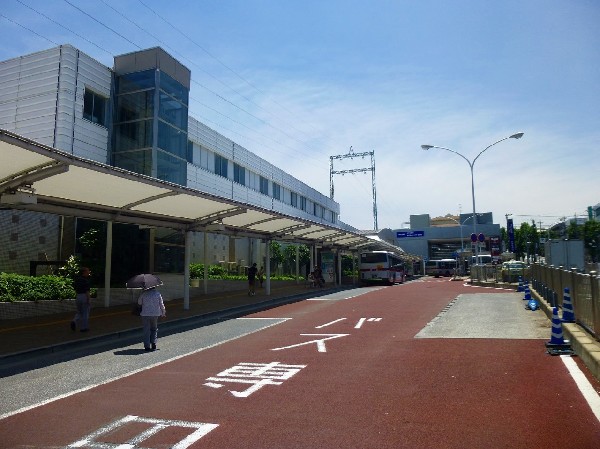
x=261 y=276
x=252 y=271
x=318 y=277
x=83 y=300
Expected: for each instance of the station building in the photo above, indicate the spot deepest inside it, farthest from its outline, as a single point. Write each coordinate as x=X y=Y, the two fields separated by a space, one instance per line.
x=135 y=116
x=446 y=237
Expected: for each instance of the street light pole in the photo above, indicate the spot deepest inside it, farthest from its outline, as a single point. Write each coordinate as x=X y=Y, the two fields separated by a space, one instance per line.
x=471 y=165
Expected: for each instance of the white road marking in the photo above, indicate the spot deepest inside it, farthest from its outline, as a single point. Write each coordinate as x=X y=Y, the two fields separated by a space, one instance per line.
x=319 y=342
x=588 y=392
x=90 y=441
x=136 y=371
x=330 y=323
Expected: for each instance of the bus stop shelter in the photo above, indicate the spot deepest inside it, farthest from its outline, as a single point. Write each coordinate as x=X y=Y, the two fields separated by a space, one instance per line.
x=39 y=178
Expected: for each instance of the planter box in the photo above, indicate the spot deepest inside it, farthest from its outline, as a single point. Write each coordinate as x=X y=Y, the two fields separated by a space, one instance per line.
x=24 y=309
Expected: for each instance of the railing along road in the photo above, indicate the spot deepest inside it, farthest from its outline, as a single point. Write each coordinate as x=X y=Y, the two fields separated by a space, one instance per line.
x=551 y=282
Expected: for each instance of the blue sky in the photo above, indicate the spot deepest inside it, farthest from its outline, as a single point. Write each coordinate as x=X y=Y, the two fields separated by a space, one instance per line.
x=299 y=81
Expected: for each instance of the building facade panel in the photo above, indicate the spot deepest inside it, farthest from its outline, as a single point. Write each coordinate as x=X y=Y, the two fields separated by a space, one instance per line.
x=63 y=98
x=27 y=236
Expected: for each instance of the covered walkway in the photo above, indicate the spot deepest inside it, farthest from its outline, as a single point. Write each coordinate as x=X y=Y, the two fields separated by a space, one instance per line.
x=39 y=178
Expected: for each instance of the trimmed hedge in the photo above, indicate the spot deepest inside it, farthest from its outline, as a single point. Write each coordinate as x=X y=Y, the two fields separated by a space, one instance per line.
x=16 y=287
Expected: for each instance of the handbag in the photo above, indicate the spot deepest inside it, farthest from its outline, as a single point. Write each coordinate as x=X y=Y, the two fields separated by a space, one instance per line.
x=136 y=309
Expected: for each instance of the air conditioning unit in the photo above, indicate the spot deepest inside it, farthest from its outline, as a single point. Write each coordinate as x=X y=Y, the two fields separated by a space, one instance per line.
x=18 y=198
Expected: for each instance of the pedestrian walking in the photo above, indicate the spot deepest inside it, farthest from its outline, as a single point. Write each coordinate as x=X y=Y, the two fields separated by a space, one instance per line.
x=83 y=300
x=317 y=275
x=252 y=271
x=152 y=308
x=261 y=276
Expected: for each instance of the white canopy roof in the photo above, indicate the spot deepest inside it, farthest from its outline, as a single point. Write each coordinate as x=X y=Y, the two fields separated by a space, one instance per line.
x=40 y=178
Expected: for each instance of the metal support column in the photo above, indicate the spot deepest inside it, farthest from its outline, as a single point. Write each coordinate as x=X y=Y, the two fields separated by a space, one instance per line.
x=297 y=264
x=187 y=257
x=268 y=268
x=108 y=263
x=205 y=259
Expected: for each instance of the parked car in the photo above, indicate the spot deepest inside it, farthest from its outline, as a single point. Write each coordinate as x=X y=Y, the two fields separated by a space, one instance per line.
x=512 y=269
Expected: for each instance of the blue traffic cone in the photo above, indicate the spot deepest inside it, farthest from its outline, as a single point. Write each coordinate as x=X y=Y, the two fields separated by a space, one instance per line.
x=520 y=287
x=557 y=344
x=556 y=337
x=568 y=316
x=527 y=296
x=532 y=305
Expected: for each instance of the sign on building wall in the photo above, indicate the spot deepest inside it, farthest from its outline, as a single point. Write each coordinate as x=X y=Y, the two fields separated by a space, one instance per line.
x=406 y=234
x=327 y=266
x=510 y=230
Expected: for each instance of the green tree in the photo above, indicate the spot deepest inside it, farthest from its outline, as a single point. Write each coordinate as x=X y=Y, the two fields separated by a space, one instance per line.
x=276 y=255
x=347 y=265
x=527 y=240
x=289 y=257
x=92 y=243
x=574 y=231
x=591 y=238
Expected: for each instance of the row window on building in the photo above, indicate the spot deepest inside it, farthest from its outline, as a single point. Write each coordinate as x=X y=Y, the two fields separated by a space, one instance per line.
x=244 y=177
x=94 y=107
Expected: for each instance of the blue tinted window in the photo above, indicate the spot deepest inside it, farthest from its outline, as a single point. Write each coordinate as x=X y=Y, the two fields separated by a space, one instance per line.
x=276 y=191
x=133 y=135
x=264 y=185
x=171 y=169
x=135 y=106
x=135 y=81
x=172 y=140
x=220 y=166
x=173 y=88
x=173 y=111
x=94 y=107
x=135 y=161
x=239 y=174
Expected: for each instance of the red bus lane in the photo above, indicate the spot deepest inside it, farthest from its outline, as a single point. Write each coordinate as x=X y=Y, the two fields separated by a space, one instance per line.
x=337 y=373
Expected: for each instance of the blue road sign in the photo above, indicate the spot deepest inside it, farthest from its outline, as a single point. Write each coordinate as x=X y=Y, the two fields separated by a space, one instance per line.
x=406 y=234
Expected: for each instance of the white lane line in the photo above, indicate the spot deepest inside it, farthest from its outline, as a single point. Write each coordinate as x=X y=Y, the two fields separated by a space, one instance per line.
x=330 y=323
x=139 y=370
x=588 y=392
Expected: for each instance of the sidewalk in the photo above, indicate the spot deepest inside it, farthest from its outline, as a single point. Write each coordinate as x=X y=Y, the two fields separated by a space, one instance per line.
x=584 y=346
x=28 y=337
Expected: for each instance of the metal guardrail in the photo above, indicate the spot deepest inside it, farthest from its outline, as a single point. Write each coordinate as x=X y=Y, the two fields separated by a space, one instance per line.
x=550 y=282
x=583 y=288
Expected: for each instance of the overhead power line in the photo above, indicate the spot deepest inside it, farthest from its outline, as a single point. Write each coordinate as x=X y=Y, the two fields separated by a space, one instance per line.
x=28 y=29
x=208 y=53
x=64 y=27
x=103 y=24
x=294 y=152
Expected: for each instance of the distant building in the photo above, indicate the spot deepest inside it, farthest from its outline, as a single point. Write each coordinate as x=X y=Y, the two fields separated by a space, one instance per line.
x=446 y=237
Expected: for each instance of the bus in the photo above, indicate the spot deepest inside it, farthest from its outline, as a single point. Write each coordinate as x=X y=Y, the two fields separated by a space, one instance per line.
x=442 y=267
x=482 y=259
x=381 y=266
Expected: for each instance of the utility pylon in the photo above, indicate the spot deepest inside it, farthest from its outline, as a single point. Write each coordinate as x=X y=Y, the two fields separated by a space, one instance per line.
x=351 y=154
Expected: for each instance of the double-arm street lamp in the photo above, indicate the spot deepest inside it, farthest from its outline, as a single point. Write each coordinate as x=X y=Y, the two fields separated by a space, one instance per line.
x=471 y=164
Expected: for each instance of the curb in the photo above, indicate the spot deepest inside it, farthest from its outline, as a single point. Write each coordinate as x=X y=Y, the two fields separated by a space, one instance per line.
x=166 y=327
x=584 y=346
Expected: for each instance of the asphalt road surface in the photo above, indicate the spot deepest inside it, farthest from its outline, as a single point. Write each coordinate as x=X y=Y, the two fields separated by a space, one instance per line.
x=427 y=364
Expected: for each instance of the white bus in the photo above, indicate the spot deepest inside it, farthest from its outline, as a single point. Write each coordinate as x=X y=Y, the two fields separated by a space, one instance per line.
x=381 y=266
x=482 y=259
x=442 y=267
